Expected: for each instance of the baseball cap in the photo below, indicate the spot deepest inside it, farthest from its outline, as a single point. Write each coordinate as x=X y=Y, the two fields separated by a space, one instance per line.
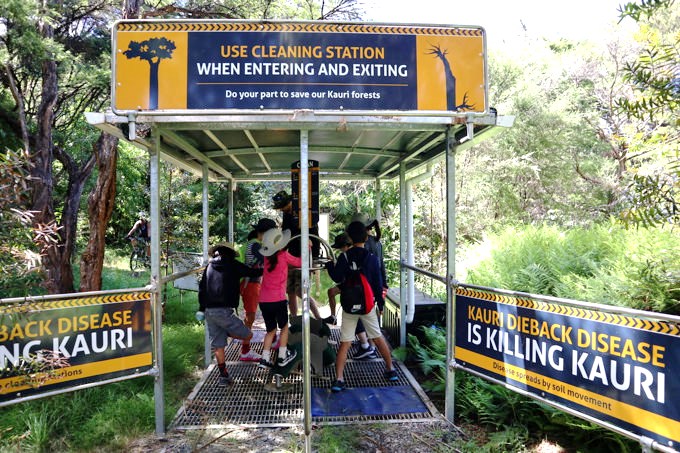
x=281 y=199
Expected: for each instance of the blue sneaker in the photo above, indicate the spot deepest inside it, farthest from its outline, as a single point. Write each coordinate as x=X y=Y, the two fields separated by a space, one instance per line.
x=338 y=386
x=391 y=375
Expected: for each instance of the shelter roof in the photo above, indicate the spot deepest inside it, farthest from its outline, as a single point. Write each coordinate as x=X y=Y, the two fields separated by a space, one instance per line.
x=253 y=147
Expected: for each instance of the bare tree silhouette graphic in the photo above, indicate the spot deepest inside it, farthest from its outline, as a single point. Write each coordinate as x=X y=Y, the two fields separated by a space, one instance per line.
x=450 y=81
x=152 y=50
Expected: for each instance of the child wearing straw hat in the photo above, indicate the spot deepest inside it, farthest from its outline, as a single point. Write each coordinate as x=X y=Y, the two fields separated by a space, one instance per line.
x=218 y=297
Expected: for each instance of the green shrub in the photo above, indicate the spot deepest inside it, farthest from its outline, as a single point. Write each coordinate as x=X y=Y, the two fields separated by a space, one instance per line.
x=512 y=419
x=605 y=264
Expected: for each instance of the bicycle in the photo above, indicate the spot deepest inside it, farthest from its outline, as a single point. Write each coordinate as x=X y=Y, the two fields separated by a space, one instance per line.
x=139 y=258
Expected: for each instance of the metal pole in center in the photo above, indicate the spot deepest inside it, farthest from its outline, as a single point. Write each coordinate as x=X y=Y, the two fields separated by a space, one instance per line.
x=378 y=205
x=206 y=246
x=304 y=255
x=402 y=254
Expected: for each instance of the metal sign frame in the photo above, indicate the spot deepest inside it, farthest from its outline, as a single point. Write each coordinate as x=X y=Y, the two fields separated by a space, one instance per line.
x=287 y=25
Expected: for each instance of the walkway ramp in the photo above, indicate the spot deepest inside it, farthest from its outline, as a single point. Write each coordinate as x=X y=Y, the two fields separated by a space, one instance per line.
x=368 y=397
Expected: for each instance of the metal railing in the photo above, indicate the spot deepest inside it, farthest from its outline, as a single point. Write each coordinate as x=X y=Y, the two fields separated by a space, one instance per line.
x=646 y=443
x=14 y=300
x=176 y=275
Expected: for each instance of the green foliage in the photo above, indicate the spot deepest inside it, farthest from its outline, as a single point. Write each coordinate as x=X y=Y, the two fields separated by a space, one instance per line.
x=19 y=260
x=431 y=356
x=605 y=264
x=653 y=195
x=645 y=8
x=132 y=192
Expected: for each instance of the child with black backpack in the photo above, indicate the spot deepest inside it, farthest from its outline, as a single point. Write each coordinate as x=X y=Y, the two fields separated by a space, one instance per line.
x=358 y=273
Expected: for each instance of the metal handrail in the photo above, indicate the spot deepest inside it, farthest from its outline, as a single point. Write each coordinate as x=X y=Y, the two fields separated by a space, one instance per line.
x=176 y=275
x=12 y=300
x=550 y=299
x=432 y=275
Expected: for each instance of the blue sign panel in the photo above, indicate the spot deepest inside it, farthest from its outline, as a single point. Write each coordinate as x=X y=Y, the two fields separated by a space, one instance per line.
x=301 y=71
x=618 y=369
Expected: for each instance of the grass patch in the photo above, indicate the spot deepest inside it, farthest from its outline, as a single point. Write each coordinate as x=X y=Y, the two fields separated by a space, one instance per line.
x=332 y=439
x=106 y=418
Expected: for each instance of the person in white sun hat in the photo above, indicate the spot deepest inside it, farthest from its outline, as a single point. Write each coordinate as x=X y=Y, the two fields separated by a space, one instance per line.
x=273 y=302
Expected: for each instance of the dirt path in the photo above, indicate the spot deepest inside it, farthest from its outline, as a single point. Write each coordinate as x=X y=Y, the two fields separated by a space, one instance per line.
x=422 y=437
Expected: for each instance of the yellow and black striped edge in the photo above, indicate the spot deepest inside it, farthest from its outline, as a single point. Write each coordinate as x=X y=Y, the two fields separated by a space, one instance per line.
x=611 y=318
x=314 y=28
x=31 y=306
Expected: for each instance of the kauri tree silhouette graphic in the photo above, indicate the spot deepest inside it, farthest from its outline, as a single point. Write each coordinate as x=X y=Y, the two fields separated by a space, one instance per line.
x=450 y=81
x=152 y=50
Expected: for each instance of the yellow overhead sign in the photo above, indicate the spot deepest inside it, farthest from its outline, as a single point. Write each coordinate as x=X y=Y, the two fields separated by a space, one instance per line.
x=228 y=65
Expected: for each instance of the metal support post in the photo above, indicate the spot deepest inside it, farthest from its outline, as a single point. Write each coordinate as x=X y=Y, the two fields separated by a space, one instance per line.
x=378 y=202
x=451 y=274
x=206 y=246
x=304 y=246
x=402 y=253
x=231 y=210
x=156 y=296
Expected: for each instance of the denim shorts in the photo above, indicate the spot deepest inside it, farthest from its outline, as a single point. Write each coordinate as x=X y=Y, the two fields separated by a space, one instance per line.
x=223 y=323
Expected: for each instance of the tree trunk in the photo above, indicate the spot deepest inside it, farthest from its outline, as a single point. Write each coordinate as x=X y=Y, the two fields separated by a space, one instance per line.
x=100 y=205
x=101 y=200
x=44 y=219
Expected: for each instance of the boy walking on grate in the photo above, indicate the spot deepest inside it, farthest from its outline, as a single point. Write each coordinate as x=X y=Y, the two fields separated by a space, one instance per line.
x=358 y=273
x=218 y=294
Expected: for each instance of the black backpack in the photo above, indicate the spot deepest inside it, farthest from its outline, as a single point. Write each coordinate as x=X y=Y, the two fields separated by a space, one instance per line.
x=356 y=295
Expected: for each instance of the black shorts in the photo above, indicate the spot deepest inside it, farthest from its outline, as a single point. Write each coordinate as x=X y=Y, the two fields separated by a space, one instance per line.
x=274 y=314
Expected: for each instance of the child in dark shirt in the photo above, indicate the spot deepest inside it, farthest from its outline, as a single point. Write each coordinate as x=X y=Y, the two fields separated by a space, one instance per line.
x=218 y=297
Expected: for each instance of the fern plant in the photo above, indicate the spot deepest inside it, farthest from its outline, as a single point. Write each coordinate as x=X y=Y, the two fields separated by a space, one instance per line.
x=512 y=419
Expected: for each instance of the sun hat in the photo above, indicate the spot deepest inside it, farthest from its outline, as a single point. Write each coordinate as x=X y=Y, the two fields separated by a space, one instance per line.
x=274 y=240
x=264 y=224
x=363 y=218
x=341 y=240
x=215 y=248
x=281 y=199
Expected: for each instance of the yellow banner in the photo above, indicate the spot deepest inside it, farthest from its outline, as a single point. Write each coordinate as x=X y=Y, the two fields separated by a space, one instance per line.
x=638 y=417
x=20 y=383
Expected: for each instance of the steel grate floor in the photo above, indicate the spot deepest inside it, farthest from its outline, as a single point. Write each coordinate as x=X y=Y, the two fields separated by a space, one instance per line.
x=248 y=403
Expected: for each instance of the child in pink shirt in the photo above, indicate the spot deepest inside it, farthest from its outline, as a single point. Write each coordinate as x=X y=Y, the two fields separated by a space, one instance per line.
x=273 y=302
